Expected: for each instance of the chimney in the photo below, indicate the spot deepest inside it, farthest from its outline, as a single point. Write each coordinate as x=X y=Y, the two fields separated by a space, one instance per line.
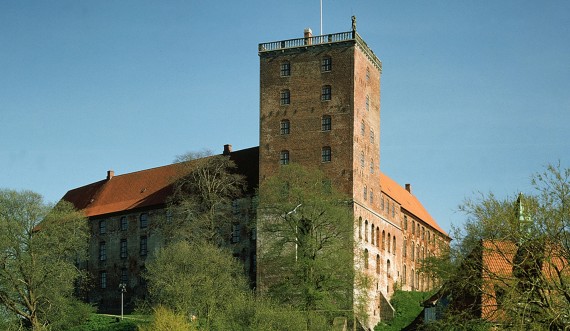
x=307 y=35
x=227 y=149
x=110 y=174
x=409 y=188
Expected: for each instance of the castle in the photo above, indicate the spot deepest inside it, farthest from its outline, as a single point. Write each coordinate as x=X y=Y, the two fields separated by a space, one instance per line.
x=319 y=106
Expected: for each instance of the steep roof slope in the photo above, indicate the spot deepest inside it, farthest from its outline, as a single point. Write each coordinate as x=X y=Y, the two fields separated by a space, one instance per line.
x=408 y=201
x=147 y=188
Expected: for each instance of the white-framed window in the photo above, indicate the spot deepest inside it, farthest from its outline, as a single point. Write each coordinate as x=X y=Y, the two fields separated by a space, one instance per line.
x=285 y=127
x=285 y=69
x=284 y=157
x=326 y=93
x=326 y=154
x=285 y=97
x=326 y=64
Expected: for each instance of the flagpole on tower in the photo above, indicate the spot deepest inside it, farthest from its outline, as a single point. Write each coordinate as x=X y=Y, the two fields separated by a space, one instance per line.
x=321 y=17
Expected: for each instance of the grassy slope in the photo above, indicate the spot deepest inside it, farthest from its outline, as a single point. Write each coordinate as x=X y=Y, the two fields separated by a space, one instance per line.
x=407 y=305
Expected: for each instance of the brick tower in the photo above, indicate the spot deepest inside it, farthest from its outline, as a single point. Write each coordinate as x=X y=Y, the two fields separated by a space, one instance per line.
x=320 y=106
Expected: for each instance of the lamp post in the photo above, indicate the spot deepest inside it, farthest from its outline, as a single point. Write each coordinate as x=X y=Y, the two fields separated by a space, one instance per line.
x=123 y=289
x=294 y=211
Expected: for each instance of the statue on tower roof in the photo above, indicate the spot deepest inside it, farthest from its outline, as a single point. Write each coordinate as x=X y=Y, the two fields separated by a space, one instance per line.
x=353 y=23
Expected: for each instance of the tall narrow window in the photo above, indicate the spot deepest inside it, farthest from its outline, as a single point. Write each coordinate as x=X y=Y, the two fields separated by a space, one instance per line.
x=124 y=223
x=404 y=274
x=404 y=248
x=413 y=251
x=378 y=263
x=102 y=251
x=394 y=245
x=367 y=74
x=143 y=246
x=326 y=154
x=366 y=259
x=362 y=159
x=285 y=125
x=388 y=269
x=362 y=127
x=360 y=227
x=285 y=97
x=326 y=64
x=144 y=220
x=389 y=239
x=405 y=222
x=371 y=196
x=123 y=248
x=371 y=136
x=102 y=226
x=124 y=276
x=286 y=69
x=383 y=239
x=326 y=123
x=367 y=103
x=284 y=157
x=365 y=193
x=382 y=203
x=377 y=237
x=103 y=279
x=372 y=234
x=366 y=230
x=371 y=166
x=326 y=93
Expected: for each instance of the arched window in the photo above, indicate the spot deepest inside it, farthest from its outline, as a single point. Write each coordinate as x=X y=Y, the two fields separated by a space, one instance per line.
x=367 y=103
x=366 y=230
x=360 y=227
x=404 y=274
x=371 y=196
x=372 y=234
x=383 y=239
x=377 y=237
x=378 y=263
x=371 y=136
x=366 y=259
x=404 y=248
x=413 y=252
x=394 y=245
x=362 y=127
x=365 y=192
x=388 y=269
x=389 y=239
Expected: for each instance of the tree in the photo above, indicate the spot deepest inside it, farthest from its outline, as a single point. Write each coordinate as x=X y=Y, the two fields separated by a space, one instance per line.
x=510 y=264
x=201 y=204
x=39 y=249
x=305 y=248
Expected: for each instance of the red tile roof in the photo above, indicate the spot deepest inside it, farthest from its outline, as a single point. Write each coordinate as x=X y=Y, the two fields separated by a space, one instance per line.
x=408 y=201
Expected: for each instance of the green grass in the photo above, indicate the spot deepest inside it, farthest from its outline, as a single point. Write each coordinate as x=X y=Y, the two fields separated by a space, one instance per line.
x=99 y=322
x=407 y=306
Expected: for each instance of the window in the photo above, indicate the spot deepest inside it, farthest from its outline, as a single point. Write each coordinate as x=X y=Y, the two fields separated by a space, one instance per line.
x=366 y=259
x=377 y=237
x=413 y=227
x=236 y=232
x=326 y=93
x=103 y=279
x=124 y=223
x=326 y=123
x=284 y=157
x=383 y=239
x=393 y=209
x=367 y=74
x=372 y=234
x=367 y=103
x=365 y=193
x=326 y=154
x=382 y=203
x=123 y=248
x=404 y=274
x=394 y=245
x=362 y=159
x=371 y=166
x=362 y=127
x=360 y=227
x=285 y=125
x=371 y=196
x=366 y=230
x=413 y=251
x=404 y=248
x=326 y=64
x=286 y=69
x=102 y=226
x=405 y=222
x=144 y=220
x=124 y=276
x=371 y=136
x=388 y=269
x=285 y=97
x=423 y=233
x=389 y=239
x=102 y=251
x=378 y=263
x=143 y=246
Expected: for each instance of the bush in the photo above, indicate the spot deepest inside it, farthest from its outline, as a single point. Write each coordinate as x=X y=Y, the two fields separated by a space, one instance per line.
x=166 y=319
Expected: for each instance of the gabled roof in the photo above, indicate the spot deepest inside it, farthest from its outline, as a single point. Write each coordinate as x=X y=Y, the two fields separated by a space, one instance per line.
x=146 y=188
x=408 y=201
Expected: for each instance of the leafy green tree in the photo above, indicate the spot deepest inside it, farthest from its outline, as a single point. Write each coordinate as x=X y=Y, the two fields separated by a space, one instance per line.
x=530 y=235
x=39 y=248
x=305 y=243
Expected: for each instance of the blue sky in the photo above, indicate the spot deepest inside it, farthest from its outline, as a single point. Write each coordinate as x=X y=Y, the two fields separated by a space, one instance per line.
x=475 y=94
